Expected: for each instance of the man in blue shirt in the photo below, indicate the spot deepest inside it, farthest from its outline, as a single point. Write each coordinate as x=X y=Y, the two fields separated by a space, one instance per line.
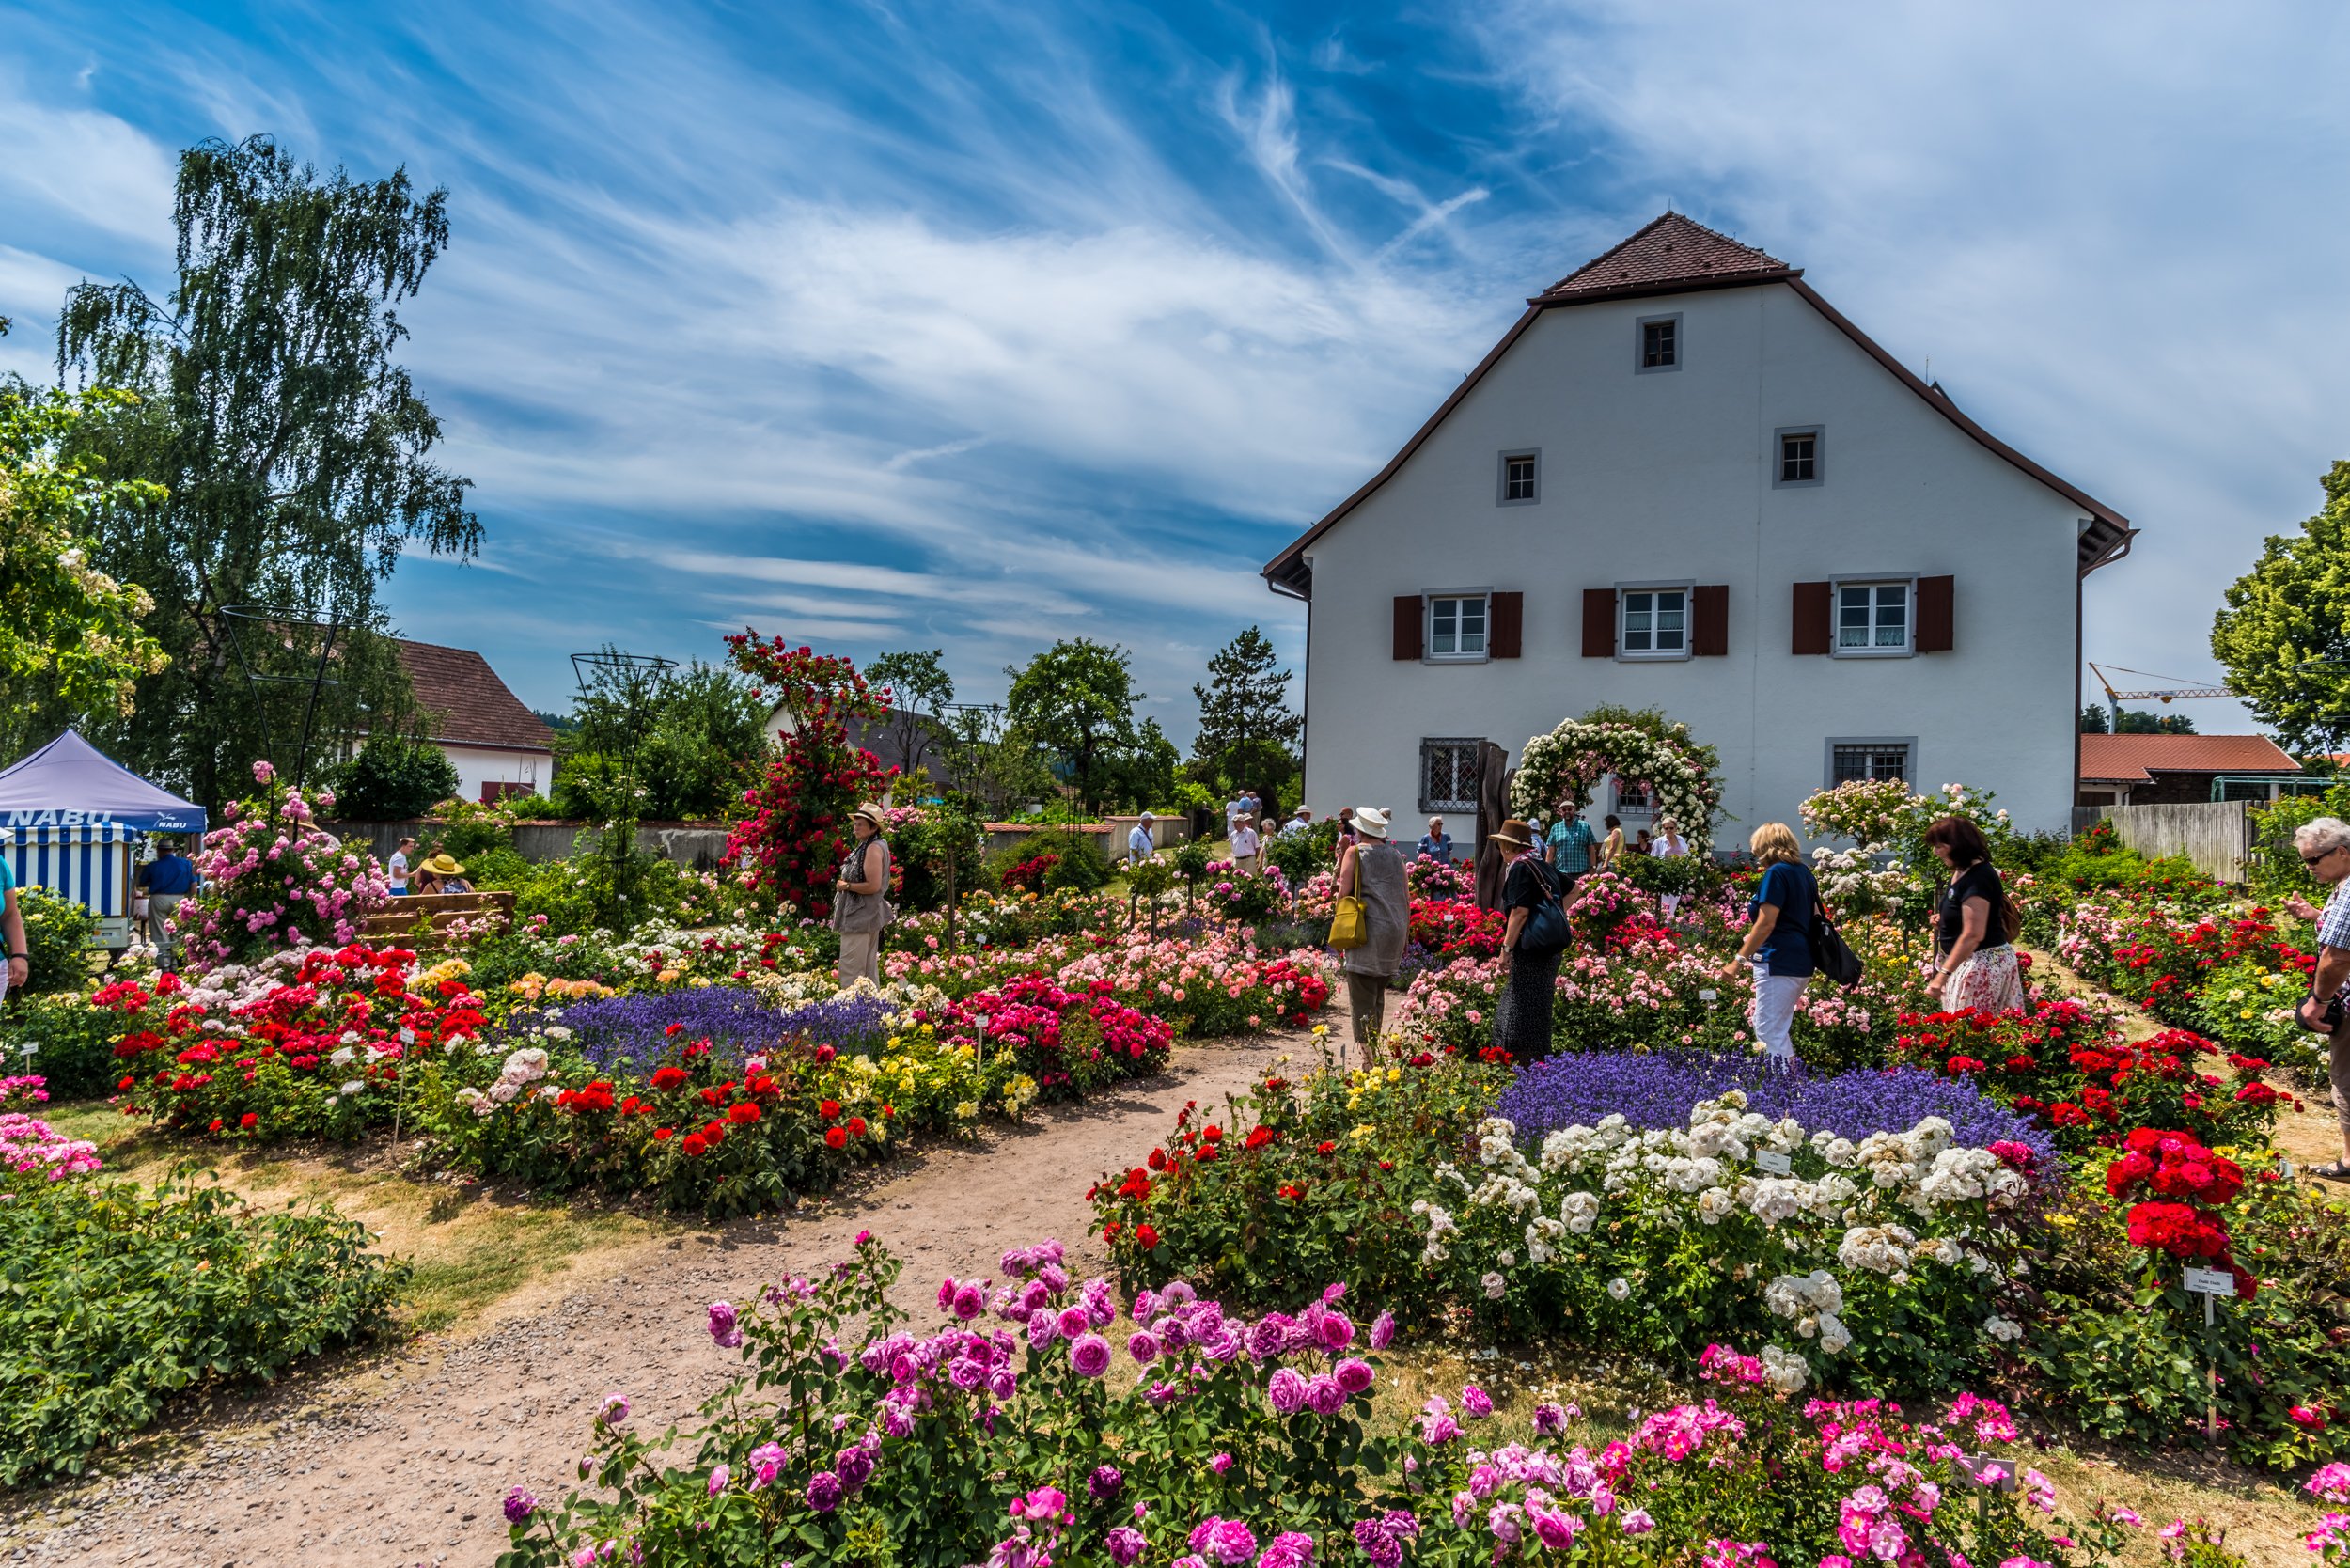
x=1437 y=844
x=1139 y=843
x=12 y=926
x=164 y=881
x=1571 y=845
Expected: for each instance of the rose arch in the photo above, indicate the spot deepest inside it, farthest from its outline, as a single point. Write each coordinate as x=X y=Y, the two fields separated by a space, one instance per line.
x=1639 y=748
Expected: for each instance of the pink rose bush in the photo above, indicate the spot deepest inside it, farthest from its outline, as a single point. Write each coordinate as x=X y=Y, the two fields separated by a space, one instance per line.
x=273 y=879
x=992 y=1436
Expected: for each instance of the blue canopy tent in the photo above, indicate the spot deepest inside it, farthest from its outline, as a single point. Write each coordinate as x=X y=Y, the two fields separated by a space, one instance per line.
x=68 y=818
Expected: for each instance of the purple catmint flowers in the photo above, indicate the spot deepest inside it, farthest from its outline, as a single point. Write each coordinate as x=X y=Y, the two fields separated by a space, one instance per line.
x=1090 y=1355
x=723 y=1327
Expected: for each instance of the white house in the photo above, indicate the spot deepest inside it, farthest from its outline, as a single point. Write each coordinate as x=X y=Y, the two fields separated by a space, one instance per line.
x=1683 y=480
x=500 y=746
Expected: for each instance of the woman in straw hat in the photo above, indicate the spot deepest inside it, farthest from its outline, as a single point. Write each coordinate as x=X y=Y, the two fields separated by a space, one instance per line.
x=1522 y=1022
x=860 y=907
x=442 y=874
x=1372 y=869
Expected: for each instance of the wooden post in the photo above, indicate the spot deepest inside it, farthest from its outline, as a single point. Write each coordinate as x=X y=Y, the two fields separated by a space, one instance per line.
x=950 y=899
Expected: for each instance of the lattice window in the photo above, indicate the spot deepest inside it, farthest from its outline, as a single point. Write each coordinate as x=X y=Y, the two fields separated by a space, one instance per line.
x=1449 y=773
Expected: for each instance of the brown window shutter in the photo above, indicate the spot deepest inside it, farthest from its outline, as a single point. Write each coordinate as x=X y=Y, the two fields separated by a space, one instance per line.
x=1599 y=623
x=1709 y=620
x=1936 y=614
x=1408 y=623
x=1813 y=607
x=1508 y=626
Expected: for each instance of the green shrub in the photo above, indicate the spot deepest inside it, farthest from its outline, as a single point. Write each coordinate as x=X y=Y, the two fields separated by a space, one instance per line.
x=114 y=1297
x=2274 y=868
x=925 y=847
x=1301 y=854
x=1080 y=866
x=392 y=779
x=469 y=830
x=72 y=1043
x=57 y=932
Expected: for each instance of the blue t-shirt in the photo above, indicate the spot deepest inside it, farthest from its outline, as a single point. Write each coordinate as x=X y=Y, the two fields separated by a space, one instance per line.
x=1787 y=951
x=168 y=874
x=8 y=877
x=1437 y=848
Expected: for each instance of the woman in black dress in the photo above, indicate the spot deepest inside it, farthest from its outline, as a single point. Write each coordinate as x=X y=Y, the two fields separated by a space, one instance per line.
x=1522 y=1022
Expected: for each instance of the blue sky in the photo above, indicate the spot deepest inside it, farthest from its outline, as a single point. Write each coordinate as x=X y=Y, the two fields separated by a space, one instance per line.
x=894 y=325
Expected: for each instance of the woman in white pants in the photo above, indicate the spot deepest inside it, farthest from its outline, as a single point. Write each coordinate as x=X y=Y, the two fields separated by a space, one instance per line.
x=1778 y=944
x=1669 y=845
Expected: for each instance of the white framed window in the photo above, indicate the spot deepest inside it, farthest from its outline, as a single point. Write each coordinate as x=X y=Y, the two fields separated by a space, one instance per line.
x=1853 y=758
x=1521 y=479
x=1659 y=344
x=1653 y=622
x=1876 y=618
x=1449 y=773
x=1801 y=457
x=1456 y=625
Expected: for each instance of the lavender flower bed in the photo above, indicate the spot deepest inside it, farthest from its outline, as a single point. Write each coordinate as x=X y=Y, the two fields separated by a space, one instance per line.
x=1658 y=1088
x=631 y=1034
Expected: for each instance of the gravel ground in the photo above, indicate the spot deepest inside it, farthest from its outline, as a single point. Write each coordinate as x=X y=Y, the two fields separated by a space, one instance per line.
x=402 y=1459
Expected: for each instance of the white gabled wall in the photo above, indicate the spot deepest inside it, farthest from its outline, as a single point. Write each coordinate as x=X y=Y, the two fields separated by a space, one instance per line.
x=1667 y=475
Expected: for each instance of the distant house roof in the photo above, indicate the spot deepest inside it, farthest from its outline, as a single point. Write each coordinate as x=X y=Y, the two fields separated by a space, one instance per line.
x=1674 y=255
x=469 y=705
x=2136 y=759
x=1673 y=251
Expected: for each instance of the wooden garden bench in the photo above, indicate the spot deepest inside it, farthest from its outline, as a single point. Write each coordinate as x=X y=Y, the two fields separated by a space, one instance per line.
x=397 y=921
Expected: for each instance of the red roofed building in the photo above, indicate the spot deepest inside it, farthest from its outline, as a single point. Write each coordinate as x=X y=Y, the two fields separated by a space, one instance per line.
x=2172 y=769
x=500 y=746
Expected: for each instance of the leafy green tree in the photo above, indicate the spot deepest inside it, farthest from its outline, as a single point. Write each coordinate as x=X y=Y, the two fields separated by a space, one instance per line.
x=1145 y=773
x=2127 y=722
x=393 y=778
x=1077 y=698
x=698 y=736
x=919 y=691
x=2284 y=637
x=67 y=629
x=1247 y=734
x=2093 y=720
x=293 y=443
x=999 y=766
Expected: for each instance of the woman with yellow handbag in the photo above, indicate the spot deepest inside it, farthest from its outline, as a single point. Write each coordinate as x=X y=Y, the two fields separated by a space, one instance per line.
x=1374 y=915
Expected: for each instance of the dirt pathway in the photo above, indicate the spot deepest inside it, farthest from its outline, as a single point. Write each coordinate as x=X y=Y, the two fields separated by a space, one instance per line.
x=404 y=1460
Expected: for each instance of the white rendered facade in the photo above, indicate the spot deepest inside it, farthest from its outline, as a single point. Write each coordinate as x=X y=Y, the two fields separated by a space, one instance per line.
x=1655 y=481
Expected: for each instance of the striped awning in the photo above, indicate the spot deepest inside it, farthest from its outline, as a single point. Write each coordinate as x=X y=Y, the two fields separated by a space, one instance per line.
x=89 y=862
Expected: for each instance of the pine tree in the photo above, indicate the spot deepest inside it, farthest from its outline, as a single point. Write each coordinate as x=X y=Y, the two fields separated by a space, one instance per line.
x=1247 y=734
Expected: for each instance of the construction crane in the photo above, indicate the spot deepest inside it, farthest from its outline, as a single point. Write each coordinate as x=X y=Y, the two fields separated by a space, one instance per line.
x=2163 y=693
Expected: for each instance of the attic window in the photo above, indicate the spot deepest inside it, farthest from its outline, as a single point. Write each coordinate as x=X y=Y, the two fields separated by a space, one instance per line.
x=1660 y=343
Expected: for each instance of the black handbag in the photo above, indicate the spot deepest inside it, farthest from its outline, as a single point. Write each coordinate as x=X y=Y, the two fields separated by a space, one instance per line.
x=1832 y=955
x=1546 y=929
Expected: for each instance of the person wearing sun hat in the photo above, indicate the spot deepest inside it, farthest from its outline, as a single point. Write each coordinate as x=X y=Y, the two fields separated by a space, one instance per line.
x=443 y=874
x=861 y=906
x=1372 y=869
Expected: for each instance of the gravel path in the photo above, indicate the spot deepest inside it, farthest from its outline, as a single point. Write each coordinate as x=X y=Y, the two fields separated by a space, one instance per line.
x=403 y=1460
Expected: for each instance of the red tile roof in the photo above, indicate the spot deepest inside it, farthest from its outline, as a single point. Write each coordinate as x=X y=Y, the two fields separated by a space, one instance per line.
x=1671 y=250
x=2136 y=759
x=469 y=704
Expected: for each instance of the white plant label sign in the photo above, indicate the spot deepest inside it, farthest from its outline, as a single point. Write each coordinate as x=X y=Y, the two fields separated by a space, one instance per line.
x=2210 y=1282
x=1774 y=1162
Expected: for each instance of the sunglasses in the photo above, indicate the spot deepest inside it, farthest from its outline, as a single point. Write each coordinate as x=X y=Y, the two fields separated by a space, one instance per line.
x=2320 y=858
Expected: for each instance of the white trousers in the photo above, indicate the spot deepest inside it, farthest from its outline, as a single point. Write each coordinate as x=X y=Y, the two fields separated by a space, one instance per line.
x=860 y=956
x=1774 y=1012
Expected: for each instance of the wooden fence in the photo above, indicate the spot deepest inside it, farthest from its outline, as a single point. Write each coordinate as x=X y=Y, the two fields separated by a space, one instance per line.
x=2216 y=836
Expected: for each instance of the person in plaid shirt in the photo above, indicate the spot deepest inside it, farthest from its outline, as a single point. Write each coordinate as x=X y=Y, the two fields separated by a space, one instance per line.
x=2324 y=843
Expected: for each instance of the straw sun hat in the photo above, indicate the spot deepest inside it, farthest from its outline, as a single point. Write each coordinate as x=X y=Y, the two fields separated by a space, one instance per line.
x=442 y=865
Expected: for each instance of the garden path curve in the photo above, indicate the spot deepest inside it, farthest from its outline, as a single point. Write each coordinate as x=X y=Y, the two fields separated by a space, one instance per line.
x=403 y=1460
